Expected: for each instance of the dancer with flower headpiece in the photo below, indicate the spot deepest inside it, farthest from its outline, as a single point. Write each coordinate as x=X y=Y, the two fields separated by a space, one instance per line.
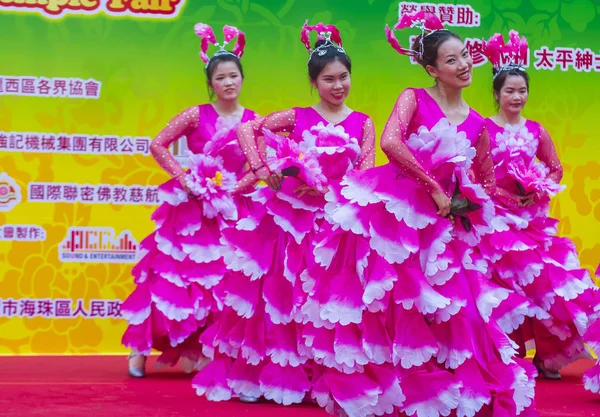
x=551 y=289
x=423 y=213
x=183 y=256
x=257 y=344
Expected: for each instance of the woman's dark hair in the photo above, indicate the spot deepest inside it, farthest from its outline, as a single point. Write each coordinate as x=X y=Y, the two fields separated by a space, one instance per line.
x=318 y=62
x=500 y=79
x=431 y=45
x=212 y=67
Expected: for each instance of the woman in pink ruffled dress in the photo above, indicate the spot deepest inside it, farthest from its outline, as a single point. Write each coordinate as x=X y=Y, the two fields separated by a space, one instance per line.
x=405 y=300
x=591 y=379
x=554 y=298
x=258 y=345
x=182 y=258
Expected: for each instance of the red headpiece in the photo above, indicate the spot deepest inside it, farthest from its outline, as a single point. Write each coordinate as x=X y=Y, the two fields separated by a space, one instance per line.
x=207 y=37
x=427 y=22
x=329 y=33
x=506 y=56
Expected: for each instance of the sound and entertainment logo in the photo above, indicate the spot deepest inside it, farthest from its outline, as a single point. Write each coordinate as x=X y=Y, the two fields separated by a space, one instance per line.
x=98 y=245
x=10 y=192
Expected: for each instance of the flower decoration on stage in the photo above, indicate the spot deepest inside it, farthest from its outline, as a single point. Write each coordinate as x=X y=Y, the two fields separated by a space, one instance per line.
x=506 y=56
x=329 y=33
x=207 y=37
x=212 y=185
x=426 y=22
x=294 y=159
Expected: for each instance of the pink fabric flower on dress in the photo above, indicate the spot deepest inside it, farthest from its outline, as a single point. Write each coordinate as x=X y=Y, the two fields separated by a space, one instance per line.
x=337 y=151
x=443 y=144
x=442 y=148
x=515 y=154
x=212 y=184
x=225 y=133
x=532 y=177
x=514 y=142
x=283 y=152
x=329 y=139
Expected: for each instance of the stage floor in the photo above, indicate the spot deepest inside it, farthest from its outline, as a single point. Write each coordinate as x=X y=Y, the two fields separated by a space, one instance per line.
x=91 y=386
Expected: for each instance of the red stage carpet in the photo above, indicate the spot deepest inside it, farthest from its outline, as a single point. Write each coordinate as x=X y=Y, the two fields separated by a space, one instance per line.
x=98 y=386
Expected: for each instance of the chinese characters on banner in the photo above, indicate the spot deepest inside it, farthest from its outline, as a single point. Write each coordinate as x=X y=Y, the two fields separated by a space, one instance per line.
x=461 y=15
x=475 y=48
x=450 y=14
x=22 y=233
x=544 y=58
x=567 y=58
x=48 y=192
x=59 y=308
x=73 y=144
x=46 y=87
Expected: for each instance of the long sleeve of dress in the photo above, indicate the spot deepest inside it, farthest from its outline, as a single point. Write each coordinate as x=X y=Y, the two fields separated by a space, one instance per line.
x=249 y=134
x=547 y=154
x=182 y=124
x=483 y=164
x=245 y=183
x=366 y=159
x=483 y=168
x=394 y=146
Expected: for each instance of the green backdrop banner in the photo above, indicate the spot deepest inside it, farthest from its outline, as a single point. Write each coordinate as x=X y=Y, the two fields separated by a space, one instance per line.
x=86 y=84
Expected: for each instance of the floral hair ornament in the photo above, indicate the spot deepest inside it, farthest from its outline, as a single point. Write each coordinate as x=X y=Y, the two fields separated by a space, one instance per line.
x=506 y=56
x=427 y=22
x=329 y=33
x=207 y=37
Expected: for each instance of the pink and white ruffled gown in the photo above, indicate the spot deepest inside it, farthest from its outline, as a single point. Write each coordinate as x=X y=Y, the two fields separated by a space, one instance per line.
x=257 y=343
x=182 y=259
x=554 y=298
x=591 y=379
x=401 y=314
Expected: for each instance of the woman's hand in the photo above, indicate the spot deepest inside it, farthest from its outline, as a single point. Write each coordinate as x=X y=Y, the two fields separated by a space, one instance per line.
x=274 y=181
x=181 y=180
x=309 y=190
x=526 y=200
x=442 y=201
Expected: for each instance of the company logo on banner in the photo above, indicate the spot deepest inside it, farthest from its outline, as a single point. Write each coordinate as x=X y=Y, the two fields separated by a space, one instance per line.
x=10 y=192
x=56 y=9
x=98 y=244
